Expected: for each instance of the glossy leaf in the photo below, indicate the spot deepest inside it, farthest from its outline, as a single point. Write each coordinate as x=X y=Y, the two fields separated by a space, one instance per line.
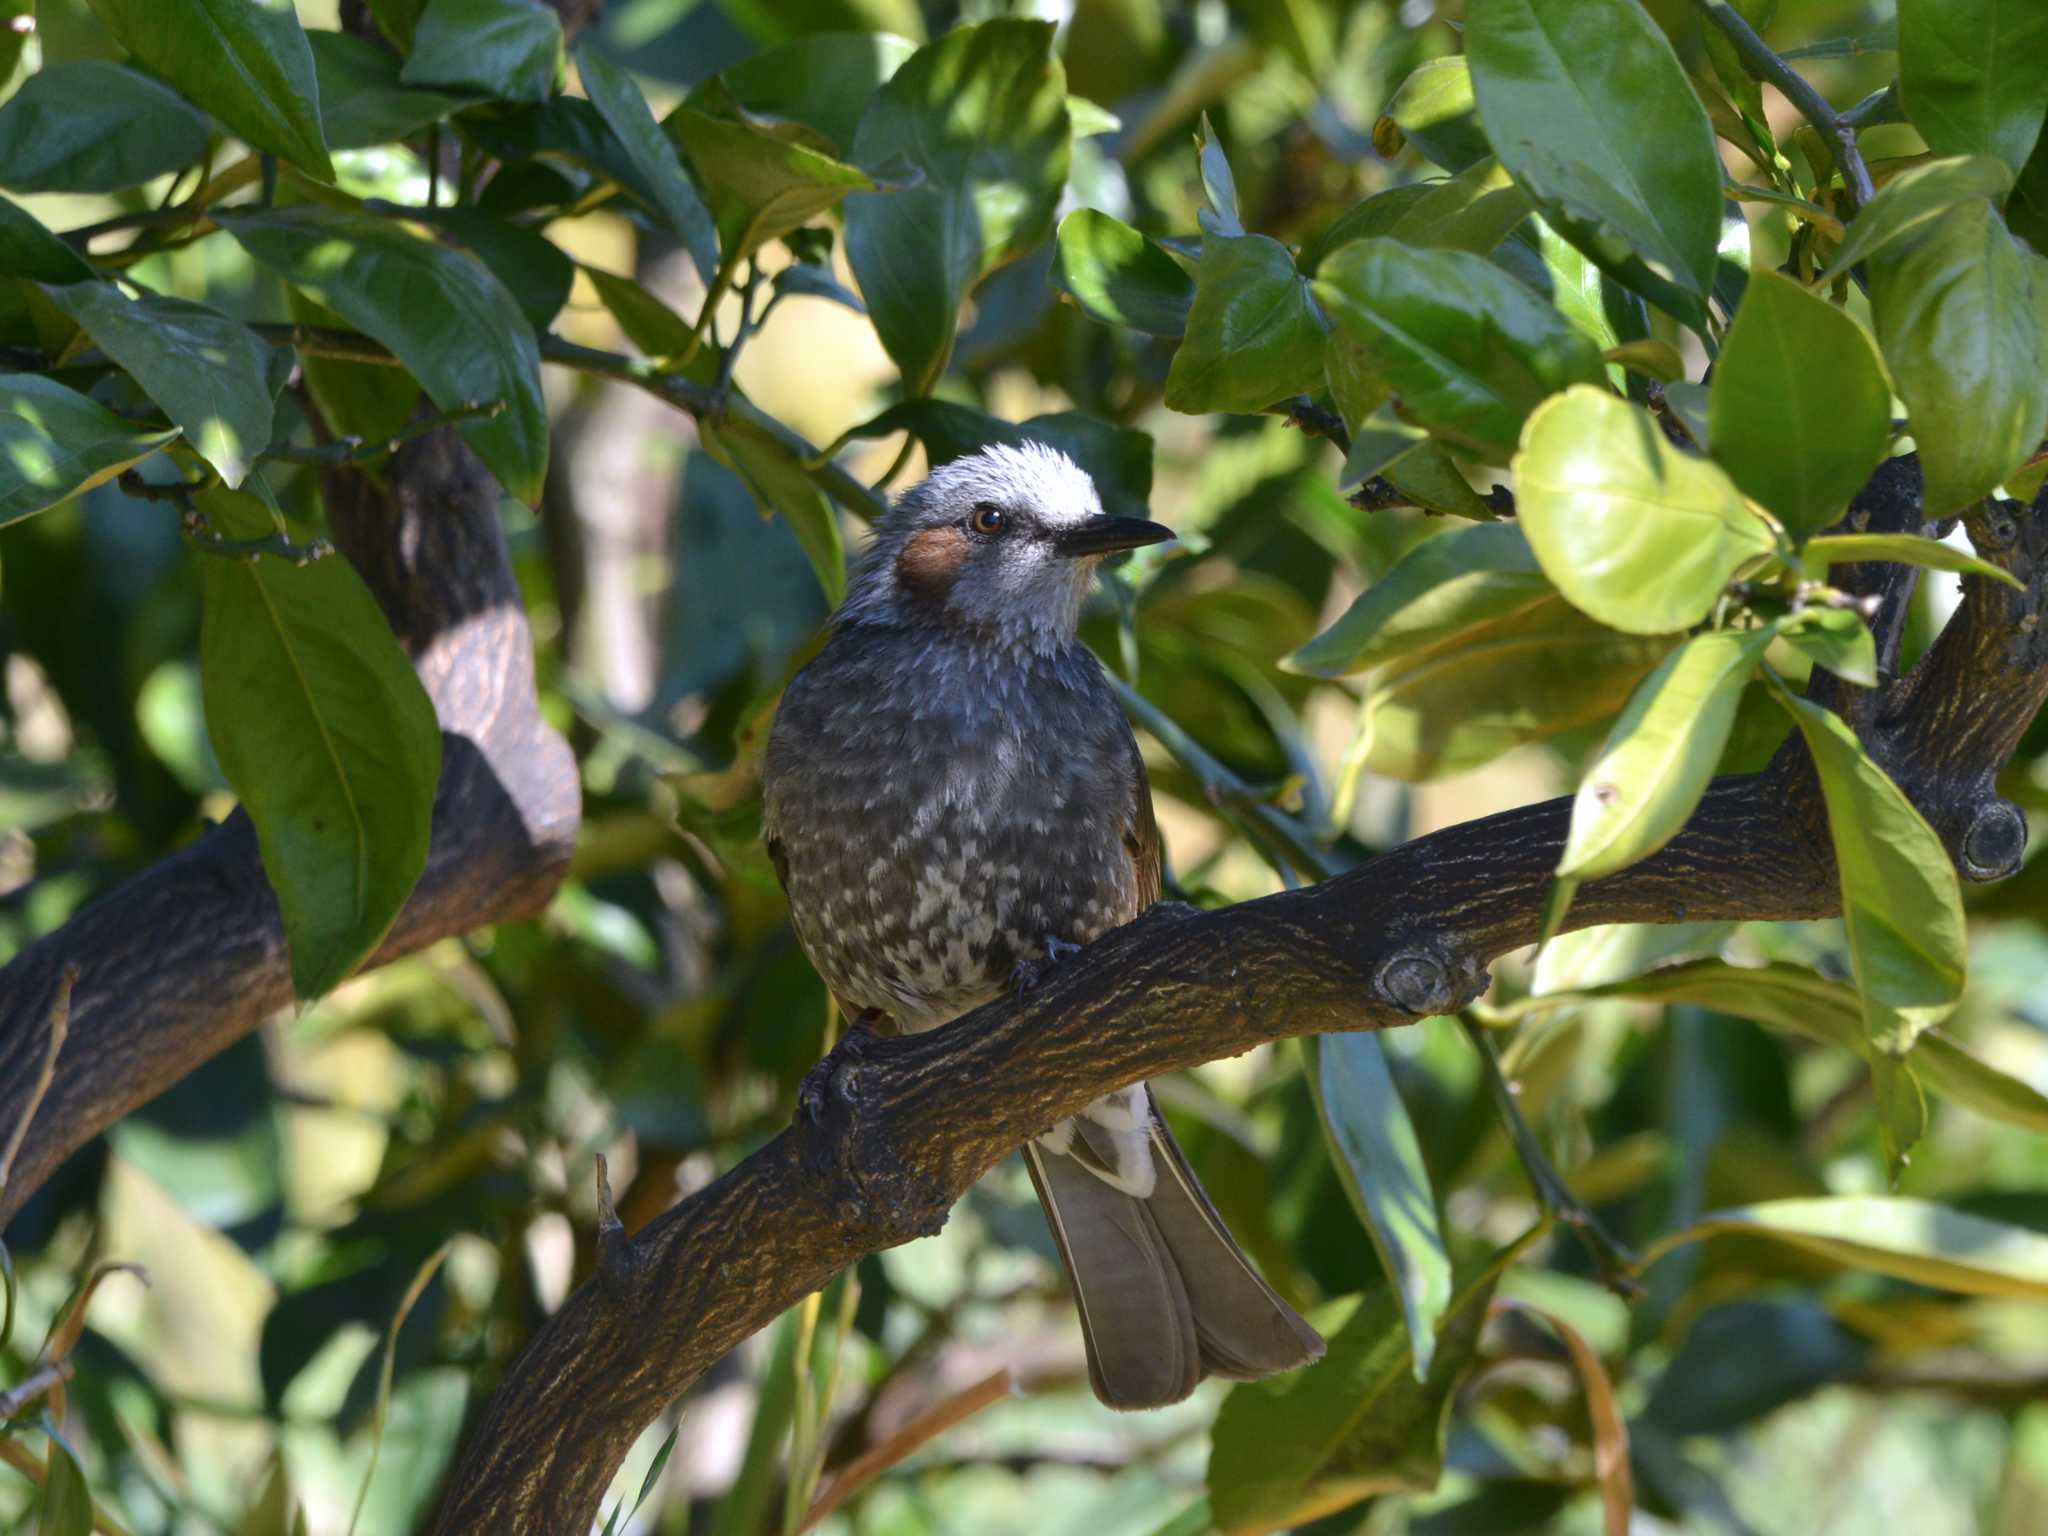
x=1289 y=1449
x=823 y=81
x=1433 y=110
x=1586 y=103
x=1902 y=906
x=1488 y=687
x=1634 y=532
x=1835 y=638
x=981 y=114
x=1960 y=315
x=207 y=372
x=1474 y=211
x=1914 y=196
x=1120 y=276
x=510 y=49
x=1442 y=587
x=1379 y=444
x=1253 y=335
x=1916 y=1240
x=531 y=266
x=781 y=485
x=625 y=111
x=323 y=729
x=1378 y=1160
x=441 y=312
x=1219 y=185
x=31 y=251
x=1118 y=459
x=1468 y=349
x=1657 y=760
x=1907 y=549
x=1431 y=479
x=762 y=184
x=246 y=61
x=55 y=443
x=1970 y=76
x=90 y=126
x=362 y=100
x=1798 y=410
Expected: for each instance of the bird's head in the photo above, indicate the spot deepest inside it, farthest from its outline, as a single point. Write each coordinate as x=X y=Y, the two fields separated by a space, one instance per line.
x=999 y=544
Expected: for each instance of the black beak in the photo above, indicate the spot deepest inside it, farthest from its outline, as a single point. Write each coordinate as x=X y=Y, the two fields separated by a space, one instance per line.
x=1106 y=535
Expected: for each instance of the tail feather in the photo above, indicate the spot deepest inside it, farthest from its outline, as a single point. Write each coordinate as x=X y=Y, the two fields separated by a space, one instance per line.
x=1165 y=1294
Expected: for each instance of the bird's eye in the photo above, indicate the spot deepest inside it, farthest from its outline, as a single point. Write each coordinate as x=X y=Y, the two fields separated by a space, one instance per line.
x=988 y=518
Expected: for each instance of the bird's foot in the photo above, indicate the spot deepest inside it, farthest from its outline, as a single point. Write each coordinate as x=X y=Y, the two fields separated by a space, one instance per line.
x=831 y=1076
x=1029 y=973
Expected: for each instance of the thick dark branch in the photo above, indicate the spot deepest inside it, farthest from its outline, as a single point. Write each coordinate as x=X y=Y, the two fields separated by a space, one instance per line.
x=189 y=956
x=891 y=1132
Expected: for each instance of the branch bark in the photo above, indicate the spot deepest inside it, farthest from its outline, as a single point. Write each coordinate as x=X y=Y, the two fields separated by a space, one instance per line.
x=890 y=1133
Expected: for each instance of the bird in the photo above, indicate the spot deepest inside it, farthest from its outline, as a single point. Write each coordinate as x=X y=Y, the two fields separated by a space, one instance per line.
x=953 y=800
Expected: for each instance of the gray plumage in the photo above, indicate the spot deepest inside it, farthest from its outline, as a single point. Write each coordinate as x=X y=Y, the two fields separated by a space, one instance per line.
x=951 y=791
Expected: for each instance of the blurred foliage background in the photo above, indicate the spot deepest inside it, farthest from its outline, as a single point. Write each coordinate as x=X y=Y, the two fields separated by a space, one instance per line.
x=439 y=1117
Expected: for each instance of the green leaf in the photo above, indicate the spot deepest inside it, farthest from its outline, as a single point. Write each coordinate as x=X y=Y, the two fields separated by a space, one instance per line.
x=441 y=312
x=762 y=183
x=31 y=251
x=1835 y=638
x=362 y=101
x=1219 y=185
x=55 y=443
x=1524 y=677
x=510 y=49
x=823 y=81
x=1960 y=315
x=90 y=126
x=209 y=373
x=1433 y=110
x=365 y=400
x=1906 y=549
x=1474 y=211
x=1377 y=215
x=1356 y=1423
x=1634 y=532
x=1431 y=479
x=1902 y=907
x=532 y=267
x=1378 y=1160
x=1469 y=350
x=648 y=323
x=1959 y=1074
x=982 y=114
x=1913 y=197
x=1379 y=444
x=1442 y=587
x=323 y=729
x=1118 y=459
x=780 y=484
x=1799 y=410
x=625 y=111
x=1253 y=335
x=1548 y=264
x=1916 y=1240
x=1120 y=276
x=65 y=1508
x=1970 y=75
x=1660 y=755
x=247 y=61
x=1586 y=103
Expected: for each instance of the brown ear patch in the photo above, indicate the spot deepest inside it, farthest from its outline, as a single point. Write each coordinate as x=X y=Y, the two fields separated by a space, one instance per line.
x=931 y=560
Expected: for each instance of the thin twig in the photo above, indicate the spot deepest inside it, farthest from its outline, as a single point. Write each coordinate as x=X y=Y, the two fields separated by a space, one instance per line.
x=178 y=491
x=353 y=450
x=60 y=1026
x=1315 y=420
x=14 y=1399
x=926 y=1427
x=1763 y=64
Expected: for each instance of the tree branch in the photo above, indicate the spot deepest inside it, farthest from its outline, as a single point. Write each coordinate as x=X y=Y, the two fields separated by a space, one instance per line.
x=891 y=1132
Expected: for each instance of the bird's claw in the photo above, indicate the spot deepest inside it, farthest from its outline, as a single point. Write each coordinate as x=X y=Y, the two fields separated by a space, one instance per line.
x=1029 y=973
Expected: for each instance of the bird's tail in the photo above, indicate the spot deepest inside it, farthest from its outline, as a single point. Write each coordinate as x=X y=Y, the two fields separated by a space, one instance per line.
x=1165 y=1294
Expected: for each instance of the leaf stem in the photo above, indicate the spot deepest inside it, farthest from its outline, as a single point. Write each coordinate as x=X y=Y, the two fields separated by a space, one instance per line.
x=1763 y=64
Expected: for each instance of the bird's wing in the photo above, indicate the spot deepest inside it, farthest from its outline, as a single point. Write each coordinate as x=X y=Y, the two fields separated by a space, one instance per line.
x=1141 y=831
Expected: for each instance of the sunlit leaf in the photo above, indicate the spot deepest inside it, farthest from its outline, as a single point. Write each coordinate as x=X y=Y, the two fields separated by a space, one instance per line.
x=1119 y=276
x=1253 y=334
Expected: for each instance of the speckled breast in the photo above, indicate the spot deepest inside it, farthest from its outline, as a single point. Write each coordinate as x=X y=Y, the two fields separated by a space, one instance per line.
x=938 y=812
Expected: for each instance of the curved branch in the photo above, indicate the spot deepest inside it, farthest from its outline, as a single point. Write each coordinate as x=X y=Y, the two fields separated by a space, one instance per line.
x=189 y=956
x=890 y=1133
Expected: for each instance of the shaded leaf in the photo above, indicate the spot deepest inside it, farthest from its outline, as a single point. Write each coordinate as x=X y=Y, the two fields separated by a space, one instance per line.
x=323 y=729
x=532 y=267
x=362 y=100
x=510 y=49
x=90 y=126
x=1917 y=194
x=55 y=443
x=823 y=81
x=209 y=373
x=780 y=484
x=31 y=251
x=1119 y=276
x=1657 y=760
x=440 y=312
x=1376 y=215
x=1433 y=110
x=1634 y=532
x=1970 y=76
x=65 y=1508
x=1742 y=1361
x=1253 y=335
x=625 y=111
x=981 y=113
x=1799 y=410
x=1379 y=445
x=247 y=61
